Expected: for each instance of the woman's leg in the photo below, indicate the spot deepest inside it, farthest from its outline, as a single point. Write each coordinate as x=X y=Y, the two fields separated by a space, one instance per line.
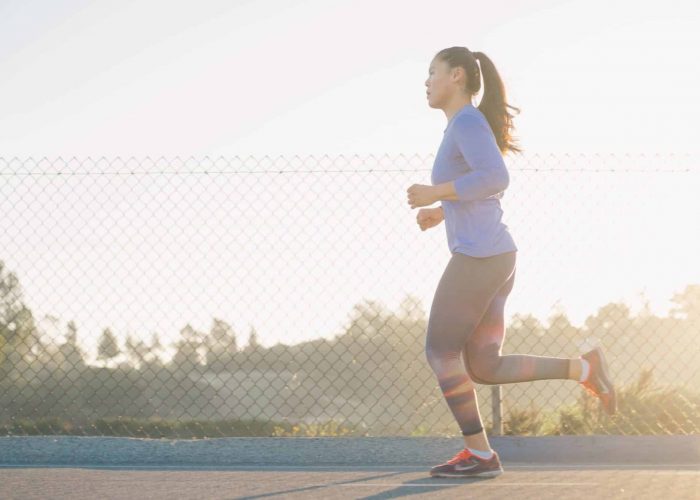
x=485 y=363
x=466 y=288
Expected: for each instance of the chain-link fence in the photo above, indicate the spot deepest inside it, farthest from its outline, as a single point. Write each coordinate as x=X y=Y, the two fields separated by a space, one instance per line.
x=289 y=296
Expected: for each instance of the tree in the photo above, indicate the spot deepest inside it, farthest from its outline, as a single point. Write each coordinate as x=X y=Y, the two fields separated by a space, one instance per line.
x=687 y=304
x=156 y=346
x=136 y=350
x=70 y=350
x=220 y=345
x=253 y=344
x=411 y=308
x=560 y=328
x=108 y=347
x=187 y=356
x=17 y=328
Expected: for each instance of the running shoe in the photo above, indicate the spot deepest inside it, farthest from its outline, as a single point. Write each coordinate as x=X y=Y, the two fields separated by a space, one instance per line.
x=598 y=383
x=466 y=464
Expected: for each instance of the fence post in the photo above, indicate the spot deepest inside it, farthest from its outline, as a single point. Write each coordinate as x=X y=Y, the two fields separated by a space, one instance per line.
x=496 y=410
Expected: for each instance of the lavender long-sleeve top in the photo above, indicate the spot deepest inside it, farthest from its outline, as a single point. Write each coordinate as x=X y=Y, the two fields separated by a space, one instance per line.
x=469 y=156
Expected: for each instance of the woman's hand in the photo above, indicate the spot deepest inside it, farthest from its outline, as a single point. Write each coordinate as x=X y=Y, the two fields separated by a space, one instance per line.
x=429 y=217
x=420 y=195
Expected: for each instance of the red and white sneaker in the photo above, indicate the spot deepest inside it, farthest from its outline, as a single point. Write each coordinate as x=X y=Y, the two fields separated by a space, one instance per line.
x=598 y=383
x=466 y=464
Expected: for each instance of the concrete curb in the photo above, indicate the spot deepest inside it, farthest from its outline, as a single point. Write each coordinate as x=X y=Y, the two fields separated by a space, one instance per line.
x=329 y=451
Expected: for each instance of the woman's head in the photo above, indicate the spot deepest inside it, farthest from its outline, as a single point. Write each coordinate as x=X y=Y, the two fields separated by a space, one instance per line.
x=456 y=72
x=449 y=77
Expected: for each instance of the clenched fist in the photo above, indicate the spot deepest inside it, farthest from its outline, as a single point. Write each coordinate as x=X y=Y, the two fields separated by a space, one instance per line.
x=422 y=195
x=429 y=217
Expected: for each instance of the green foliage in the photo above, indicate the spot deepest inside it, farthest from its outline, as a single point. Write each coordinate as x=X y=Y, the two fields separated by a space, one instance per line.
x=643 y=408
x=155 y=428
x=372 y=378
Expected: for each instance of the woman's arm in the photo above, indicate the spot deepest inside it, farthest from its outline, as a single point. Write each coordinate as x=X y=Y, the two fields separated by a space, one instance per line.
x=446 y=191
x=478 y=146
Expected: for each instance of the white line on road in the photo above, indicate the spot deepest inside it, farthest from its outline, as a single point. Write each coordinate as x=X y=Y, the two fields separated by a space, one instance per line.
x=463 y=481
x=343 y=466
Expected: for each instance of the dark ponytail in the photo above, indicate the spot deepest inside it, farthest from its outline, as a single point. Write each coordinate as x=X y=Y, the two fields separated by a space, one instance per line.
x=493 y=104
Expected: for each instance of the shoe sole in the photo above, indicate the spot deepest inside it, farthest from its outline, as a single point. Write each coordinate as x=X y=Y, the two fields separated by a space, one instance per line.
x=608 y=383
x=490 y=473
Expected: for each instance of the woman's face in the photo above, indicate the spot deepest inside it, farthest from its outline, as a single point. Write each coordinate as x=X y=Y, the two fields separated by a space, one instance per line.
x=442 y=83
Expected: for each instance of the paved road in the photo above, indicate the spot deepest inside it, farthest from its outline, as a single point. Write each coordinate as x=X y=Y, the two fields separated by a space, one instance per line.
x=519 y=481
x=561 y=467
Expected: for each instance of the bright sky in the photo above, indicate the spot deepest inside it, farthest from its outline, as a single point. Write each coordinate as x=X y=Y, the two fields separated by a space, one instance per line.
x=222 y=78
x=164 y=77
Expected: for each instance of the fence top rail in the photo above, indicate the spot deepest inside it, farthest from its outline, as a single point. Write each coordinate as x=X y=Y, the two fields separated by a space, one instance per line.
x=353 y=163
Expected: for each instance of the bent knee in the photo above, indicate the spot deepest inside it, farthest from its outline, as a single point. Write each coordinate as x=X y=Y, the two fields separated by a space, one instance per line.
x=484 y=363
x=476 y=378
x=442 y=361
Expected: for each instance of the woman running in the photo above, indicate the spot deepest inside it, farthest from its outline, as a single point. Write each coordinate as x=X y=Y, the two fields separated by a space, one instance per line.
x=466 y=329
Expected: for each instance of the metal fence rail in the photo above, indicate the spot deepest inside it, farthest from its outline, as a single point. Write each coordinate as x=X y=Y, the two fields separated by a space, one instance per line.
x=252 y=296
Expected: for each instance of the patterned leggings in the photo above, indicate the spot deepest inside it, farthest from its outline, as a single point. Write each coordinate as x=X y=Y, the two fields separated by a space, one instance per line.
x=465 y=334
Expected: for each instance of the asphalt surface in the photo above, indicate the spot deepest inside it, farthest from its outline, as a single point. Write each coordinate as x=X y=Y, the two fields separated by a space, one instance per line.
x=559 y=467
x=519 y=481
